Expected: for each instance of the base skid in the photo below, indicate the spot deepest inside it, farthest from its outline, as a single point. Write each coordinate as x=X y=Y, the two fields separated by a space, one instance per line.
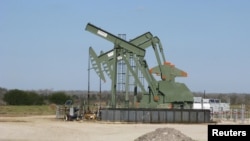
x=142 y=115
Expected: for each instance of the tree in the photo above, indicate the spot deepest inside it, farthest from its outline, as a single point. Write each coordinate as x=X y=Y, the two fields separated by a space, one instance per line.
x=58 y=97
x=35 y=99
x=15 y=97
x=19 y=97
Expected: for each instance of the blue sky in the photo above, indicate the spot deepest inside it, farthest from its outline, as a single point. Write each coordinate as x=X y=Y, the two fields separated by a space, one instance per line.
x=44 y=44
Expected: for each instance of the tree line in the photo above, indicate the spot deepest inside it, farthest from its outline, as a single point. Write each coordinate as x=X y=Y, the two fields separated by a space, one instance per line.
x=21 y=97
x=41 y=97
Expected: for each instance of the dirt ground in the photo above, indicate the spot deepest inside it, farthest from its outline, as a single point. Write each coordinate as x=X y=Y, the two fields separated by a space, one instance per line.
x=49 y=128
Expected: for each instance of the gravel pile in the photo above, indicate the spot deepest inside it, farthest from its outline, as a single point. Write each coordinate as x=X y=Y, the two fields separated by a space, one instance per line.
x=164 y=134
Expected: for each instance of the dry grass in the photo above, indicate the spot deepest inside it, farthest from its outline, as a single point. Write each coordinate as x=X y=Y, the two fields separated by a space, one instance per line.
x=27 y=110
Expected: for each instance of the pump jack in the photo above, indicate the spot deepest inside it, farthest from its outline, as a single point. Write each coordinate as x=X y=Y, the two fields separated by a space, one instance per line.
x=163 y=93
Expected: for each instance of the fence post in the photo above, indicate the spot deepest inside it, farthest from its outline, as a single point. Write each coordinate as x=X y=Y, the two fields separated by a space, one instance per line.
x=242 y=113
x=235 y=115
x=231 y=114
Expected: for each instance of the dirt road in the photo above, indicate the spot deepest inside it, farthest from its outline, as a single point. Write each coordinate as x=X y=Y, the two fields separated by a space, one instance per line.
x=48 y=128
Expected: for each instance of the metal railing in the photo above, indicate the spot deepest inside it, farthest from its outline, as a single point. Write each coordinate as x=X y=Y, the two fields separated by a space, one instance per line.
x=237 y=115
